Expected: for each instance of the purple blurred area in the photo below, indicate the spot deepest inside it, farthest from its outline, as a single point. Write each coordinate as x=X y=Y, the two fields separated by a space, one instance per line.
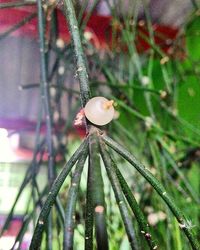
x=8 y=238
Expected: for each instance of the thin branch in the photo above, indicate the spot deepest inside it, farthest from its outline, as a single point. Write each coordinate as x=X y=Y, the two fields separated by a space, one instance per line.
x=60 y=209
x=80 y=60
x=71 y=204
x=127 y=220
x=49 y=232
x=124 y=85
x=89 y=213
x=18 y=25
x=135 y=208
x=48 y=115
x=15 y=4
x=37 y=236
x=37 y=85
x=89 y=14
x=157 y=186
x=45 y=91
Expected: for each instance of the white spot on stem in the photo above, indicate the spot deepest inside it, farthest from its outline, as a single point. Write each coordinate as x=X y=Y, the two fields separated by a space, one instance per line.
x=164 y=60
x=145 y=80
x=88 y=35
x=79 y=69
x=148 y=122
x=61 y=70
x=182 y=225
x=41 y=222
x=60 y=43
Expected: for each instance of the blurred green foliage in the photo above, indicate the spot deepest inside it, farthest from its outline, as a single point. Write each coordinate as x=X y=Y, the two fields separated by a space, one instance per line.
x=159 y=121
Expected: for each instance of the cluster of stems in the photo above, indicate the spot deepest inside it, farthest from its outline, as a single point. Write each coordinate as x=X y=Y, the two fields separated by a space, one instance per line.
x=97 y=146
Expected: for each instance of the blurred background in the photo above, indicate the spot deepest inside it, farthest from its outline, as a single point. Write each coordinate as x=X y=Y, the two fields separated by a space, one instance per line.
x=145 y=55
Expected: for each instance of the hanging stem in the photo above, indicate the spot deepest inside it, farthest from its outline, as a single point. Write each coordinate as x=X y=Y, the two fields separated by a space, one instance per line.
x=127 y=220
x=80 y=59
x=157 y=186
x=27 y=179
x=88 y=14
x=49 y=233
x=37 y=236
x=89 y=214
x=63 y=88
x=71 y=204
x=98 y=198
x=45 y=91
x=48 y=116
x=28 y=217
x=135 y=208
x=15 y=4
x=60 y=210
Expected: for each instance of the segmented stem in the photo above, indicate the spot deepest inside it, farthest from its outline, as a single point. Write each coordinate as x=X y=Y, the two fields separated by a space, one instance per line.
x=127 y=220
x=71 y=204
x=80 y=58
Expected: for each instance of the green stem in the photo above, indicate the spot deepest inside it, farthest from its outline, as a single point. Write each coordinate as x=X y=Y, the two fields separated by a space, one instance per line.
x=88 y=14
x=89 y=214
x=127 y=220
x=123 y=85
x=37 y=236
x=71 y=204
x=157 y=186
x=81 y=11
x=177 y=235
x=80 y=60
x=98 y=198
x=48 y=116
x=135 y=208
x=60 y=210
x=49 y=232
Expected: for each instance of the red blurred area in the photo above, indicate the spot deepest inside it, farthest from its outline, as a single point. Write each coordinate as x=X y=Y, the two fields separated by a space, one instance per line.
x=14 y=227
x=99 y=31
x=99 y=27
